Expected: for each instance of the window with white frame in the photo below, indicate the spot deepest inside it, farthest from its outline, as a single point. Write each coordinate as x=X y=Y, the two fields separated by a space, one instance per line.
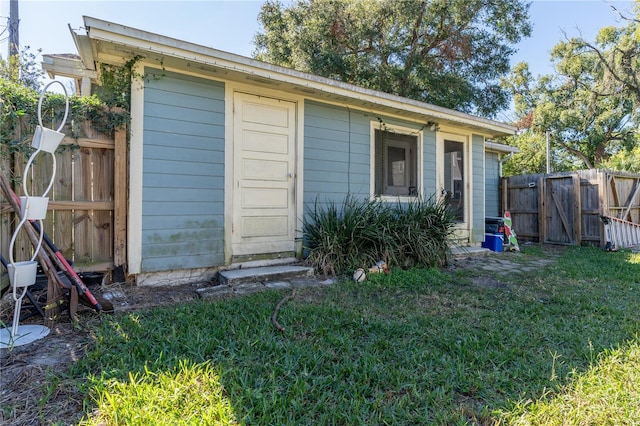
x=396 y=164
x=454 y=182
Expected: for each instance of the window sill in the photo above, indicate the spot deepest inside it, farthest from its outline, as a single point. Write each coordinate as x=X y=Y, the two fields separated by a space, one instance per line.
x=395 y=198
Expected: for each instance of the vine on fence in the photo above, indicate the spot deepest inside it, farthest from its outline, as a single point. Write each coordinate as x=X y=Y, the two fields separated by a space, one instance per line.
x=18 y=116
x=107 y=110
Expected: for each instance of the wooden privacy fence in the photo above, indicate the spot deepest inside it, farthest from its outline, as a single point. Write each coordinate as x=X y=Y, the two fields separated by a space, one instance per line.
x=86 y=216
x=566 y=208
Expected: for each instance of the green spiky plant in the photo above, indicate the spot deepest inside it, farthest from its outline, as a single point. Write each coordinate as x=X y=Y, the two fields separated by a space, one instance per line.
x=354 y=233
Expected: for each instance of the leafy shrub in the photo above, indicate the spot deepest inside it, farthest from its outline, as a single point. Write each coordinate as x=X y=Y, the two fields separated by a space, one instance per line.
x=340 y=237
x=19 y=115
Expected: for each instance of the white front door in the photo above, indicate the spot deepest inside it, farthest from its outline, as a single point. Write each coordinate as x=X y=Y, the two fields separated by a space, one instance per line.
x=264 y=175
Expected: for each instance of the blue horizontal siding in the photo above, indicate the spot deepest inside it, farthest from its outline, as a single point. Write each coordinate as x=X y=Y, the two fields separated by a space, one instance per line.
x=164 y=223
x=336 y=152
x=205 y=156
x=183 y=173
x=429 y=164
x=181 y=181
x=202 y=209
x=477 y=147
x=175 y=167
x=177 y=262
x=180 y=126
x=174 y=82
x=202 y=237
x=200 y=143
x=197 y=104
x=187 y=195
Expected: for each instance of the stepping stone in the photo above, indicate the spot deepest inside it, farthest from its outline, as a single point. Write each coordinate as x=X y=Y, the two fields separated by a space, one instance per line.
x=233 y=277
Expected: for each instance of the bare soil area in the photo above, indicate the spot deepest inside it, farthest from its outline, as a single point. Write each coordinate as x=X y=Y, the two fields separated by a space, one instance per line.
x=24 y=378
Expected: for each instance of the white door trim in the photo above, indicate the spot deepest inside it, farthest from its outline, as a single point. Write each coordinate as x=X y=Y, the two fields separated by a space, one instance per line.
x=263 y=213
x=467 y=171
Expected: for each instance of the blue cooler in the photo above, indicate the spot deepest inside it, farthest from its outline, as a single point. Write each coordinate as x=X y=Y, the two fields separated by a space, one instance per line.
x=493 y=242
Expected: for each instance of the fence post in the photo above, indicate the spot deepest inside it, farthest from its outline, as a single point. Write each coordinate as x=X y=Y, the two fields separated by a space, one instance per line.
x=120 y=205
x=542 y=218
x=577 y=208
x=604 y=203
x=505 y=195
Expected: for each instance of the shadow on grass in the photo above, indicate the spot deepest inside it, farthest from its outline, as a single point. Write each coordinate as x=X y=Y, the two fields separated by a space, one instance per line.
x=413 y=347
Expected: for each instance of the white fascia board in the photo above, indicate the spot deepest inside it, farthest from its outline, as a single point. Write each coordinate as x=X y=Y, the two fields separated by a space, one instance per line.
x=85 y=49
x=65 y=67
x=104 y=31
x=501 y=147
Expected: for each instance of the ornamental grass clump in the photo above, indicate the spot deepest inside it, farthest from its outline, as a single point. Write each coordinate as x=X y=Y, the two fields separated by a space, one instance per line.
x=354 y=233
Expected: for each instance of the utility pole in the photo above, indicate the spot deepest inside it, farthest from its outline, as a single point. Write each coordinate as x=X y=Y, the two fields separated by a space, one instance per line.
x=548 y=153
x=14 y=21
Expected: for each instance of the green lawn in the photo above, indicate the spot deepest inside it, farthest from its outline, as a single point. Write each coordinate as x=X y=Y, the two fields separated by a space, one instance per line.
x=558 y=345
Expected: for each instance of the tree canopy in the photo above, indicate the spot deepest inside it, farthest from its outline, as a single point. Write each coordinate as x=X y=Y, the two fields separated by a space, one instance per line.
x=590 y=107
x=23 y=69
x=450 y=53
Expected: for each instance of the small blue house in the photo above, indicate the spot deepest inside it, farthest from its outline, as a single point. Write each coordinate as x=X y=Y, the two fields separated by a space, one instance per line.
x=226 y=152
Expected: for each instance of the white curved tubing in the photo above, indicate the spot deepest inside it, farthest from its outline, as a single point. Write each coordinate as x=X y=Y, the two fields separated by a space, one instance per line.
x=37 y=249
x=53 y=175
x=13 y=241
x=26 y=173
x=25 y=178
x=66 y=108
x=15 y=234
x=16 y=298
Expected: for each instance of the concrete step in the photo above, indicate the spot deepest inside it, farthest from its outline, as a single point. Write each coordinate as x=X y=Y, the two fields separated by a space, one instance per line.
x=461 y=252
x=234 y=277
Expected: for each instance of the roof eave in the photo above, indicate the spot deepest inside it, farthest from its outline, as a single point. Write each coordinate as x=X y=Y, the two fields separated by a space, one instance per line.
x=141 y=41
x=501 y=147
x=65 y=67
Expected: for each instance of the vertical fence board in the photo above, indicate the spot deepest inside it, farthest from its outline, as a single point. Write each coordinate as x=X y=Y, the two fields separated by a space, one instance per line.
x=570 y=204
x=63 y=191
x=522 y=201
x=103 y=191
x=103 y=174
x=590 y=190
x=603 y=204
x=5 y=220
x=577 y=209
x=560 y=201
x=82 y=219
x=5 y=212
x=540 y=219
x=120 y=203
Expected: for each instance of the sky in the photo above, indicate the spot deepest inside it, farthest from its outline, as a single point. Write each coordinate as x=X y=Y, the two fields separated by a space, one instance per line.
x=231 y=25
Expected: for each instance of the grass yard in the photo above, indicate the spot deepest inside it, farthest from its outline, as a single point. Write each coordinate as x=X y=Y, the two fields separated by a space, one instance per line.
x=555 y=345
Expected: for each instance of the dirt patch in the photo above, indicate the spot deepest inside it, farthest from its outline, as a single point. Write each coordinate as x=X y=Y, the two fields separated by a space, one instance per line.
x=489 y=282
x=25 y=380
